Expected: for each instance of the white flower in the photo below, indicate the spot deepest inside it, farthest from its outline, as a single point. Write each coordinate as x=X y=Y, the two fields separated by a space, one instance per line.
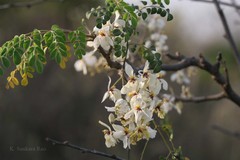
x=132 y=84
x=139 y=111
x=88 y=60
x=103 y=38
x=121 y=133
x=112 y=93
x=121 y=108
x=151 y=132
x=110 y=141
x=180 y=77
x=118 y=23
x=155 y=23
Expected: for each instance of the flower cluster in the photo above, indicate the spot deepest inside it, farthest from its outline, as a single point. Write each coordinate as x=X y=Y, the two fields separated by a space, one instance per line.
x=182 y=77
x=157 y=39
x=135 y=105
x=104 y=38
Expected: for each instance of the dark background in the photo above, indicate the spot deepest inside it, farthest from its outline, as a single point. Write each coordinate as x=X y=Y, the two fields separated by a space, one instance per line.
x=65 y=105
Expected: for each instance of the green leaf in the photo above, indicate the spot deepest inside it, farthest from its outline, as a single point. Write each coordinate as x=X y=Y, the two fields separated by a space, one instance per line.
x=32 y=60
x=71 y=37
x=42 y=58
x=167 y=2
x=58 y=58
x=144 y=3
x=16 y=40
x=10 y=51
x=169 y=17
x=39 y=51
x=116 y=32
x=144 y=15
x=54 y=27
x=26 y=43
x=159 y=1
x=5 y=62
x=60 y=36
x=118 y=40
x=39 y=66
x=159 y=11
x=157 y=69
x=37 y=38
x=48 y=38
x=163 y=13
x=16 y=58
x=149 y=10
x=3 y=51
x=53 y=53
x=118 y=53
x=154 y=10
x=117 y=47
x=134 y=21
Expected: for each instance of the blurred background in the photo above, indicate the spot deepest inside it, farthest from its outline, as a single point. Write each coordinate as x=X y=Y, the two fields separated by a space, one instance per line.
x=65 y=105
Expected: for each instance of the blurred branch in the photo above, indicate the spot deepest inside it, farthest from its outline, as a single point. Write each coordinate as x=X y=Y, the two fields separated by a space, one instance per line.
x=227 y=30
x=214 y=97
x=212 y=69
x=226 y=131
x=83 y=150
x=23 y=4
x=111 y=63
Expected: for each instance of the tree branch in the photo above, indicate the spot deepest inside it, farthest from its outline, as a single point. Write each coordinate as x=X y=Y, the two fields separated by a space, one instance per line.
x=226 y=131
x=111 y=63
x=212 y=69
x=227 y=30
x=214 y=97
x=23 y=4
x=83 y=150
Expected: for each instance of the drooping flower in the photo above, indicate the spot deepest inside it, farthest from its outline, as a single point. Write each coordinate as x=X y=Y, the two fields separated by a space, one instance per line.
x=110 y=141
x=88 y=60
x=102 y=38
x=113 y=93
x=122 y=134
x=180 y=77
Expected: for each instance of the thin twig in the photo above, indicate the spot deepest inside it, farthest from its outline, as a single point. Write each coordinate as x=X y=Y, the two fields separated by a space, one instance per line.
x=214 y=97
x=227 y=30
x=226 y=131
x=27 y=4
x=83 y=150
x=144 y=149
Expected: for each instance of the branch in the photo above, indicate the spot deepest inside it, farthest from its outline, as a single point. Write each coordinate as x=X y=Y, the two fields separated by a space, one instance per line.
x=212 y=69
x=83 y=150
x=235 y=4
x=111 y=63
x=23 y=4
x=226 y=132
x=227 y=30
x=214 y=97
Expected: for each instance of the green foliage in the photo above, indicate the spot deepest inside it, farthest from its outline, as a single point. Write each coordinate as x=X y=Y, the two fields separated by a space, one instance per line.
x=78 y=39
x=33 y=49
x=29 y=52
x=157 y=7
x=153 y=58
